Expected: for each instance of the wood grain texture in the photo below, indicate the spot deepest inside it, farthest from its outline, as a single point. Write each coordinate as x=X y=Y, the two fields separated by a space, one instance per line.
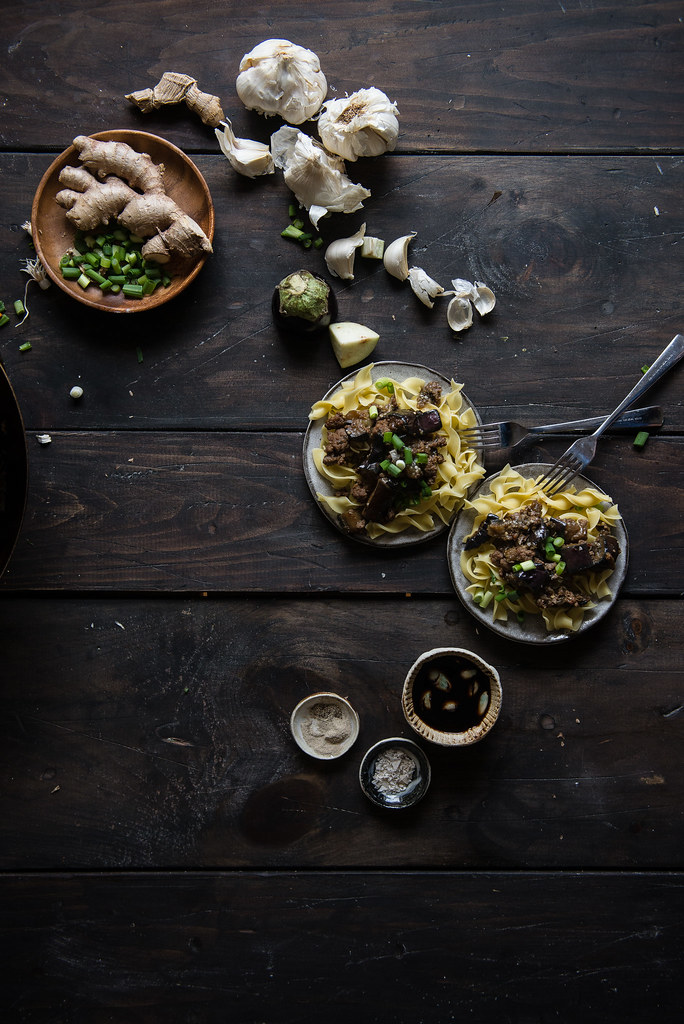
x=155 y=733
x=543 y=77
x=582 y=255
x=231 y=512
x=252 y=948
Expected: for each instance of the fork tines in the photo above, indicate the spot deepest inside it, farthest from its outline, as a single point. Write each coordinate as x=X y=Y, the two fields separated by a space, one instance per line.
x=560 y=475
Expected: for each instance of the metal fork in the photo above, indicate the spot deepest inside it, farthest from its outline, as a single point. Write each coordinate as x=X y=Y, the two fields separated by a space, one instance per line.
x=581 y=452
x=512 y=436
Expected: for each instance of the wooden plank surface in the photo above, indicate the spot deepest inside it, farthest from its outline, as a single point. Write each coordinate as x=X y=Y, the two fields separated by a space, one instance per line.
x=155 y=733
x=487 y=947
x=466 y=76
x=225 y=512
x=582 y=254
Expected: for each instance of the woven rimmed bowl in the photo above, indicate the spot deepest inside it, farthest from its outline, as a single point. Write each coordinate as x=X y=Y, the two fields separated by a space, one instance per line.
x=469 y=721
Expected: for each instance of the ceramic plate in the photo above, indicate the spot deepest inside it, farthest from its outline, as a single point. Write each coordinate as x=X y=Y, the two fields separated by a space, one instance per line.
x=314 y=438
x=53 y=234
x=13 y=470
x=532 y=630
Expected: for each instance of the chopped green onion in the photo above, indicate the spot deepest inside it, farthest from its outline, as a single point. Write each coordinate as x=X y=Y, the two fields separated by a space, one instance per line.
x=527 y=565
x=19 y=307
x=421 y=458
x=318 y=242
x=292 y=232
x=373 y=412
x=520 y=616
x=385 y=384
x=645 y=368
x=560 y=567
x=84 y=281
x=397 y=442
x=385 y=464
x=641 y=438
x=558 y=542
x=408 y=456
x=387 y=437
x=25 y=347
x=292 y=210
x=4 y=319
x=394 y=470
x=132 y=291
x=487 y=599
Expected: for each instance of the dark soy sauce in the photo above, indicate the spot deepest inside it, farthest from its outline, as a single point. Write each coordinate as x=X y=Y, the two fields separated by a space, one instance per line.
x=451 y=693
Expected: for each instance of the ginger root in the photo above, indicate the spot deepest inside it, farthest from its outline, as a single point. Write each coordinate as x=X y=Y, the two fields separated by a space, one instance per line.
x=174 y=87
x=129 y=187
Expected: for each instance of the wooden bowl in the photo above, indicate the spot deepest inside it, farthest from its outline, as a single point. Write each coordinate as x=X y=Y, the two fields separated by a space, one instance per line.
x=53 y=234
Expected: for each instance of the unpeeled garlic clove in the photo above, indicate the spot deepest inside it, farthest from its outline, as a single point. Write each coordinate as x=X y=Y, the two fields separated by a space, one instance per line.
x=244 y=155
x=395 y=258
x=459 y=313
x=424 y=286
x=484 y=300
x=340 y=254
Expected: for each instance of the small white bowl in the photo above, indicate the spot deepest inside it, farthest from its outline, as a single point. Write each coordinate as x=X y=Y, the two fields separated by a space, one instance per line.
x=406 y=796
x=324 y=737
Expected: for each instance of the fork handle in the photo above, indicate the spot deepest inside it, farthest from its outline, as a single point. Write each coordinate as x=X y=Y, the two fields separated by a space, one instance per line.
x=665 y=361
x=647 y=418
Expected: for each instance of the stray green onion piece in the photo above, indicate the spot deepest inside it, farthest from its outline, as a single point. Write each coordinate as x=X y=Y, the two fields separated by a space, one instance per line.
x=641 y=438
x=19 y=307
x=4 y=319
x=25 y=346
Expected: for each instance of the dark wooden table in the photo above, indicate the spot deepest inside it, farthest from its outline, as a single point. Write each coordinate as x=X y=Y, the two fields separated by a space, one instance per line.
x=167 y=851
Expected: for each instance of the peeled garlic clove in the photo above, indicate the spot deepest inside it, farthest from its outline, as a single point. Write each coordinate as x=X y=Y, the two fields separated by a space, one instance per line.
x=339 y=255
x=244 y=155
x=484 y=300
x=459 y=313
x=464 y=289
x=395 y=259
x=424 y=286
x=317 y=178
x=280 y=77
x=363 y=124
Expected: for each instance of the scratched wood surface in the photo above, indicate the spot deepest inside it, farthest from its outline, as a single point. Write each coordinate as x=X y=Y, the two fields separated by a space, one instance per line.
x=166 y=851
x=493 y=946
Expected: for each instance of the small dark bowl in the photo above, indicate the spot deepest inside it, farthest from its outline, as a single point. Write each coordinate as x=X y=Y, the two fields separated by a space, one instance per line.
x=416 y=789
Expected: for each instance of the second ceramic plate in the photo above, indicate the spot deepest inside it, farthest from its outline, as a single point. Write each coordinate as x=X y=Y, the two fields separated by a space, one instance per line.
x=532 y=630
x=314 y=436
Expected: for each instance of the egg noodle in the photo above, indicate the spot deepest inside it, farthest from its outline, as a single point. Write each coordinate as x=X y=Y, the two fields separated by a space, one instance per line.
x=455 y=475
x=509 y=493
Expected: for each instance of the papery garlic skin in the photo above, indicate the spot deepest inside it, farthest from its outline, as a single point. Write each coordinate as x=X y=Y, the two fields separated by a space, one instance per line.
x=280 y=77
x=317 y=179
x=484 y=300
x=464 y=289
x=339 y=256
x=459 y=313
x=395 y=258
x=424 y=286
x=244 y=155
x=363 y=124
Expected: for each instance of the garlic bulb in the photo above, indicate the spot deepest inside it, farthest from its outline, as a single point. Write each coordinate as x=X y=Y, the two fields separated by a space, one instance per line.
x=339 y=255
x=317 y=179
x=363 y=124
x=423 y=285
x=244 y=155
x=396 y=257
x=459 y=313
x=280 y=77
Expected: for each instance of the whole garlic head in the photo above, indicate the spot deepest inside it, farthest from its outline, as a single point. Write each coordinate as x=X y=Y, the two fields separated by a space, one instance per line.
x=317 y=179
x=363 y=124
x=244 y=155
x=280 y=77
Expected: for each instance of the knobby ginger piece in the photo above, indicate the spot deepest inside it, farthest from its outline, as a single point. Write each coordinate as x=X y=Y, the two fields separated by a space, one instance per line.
x=174 y=87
